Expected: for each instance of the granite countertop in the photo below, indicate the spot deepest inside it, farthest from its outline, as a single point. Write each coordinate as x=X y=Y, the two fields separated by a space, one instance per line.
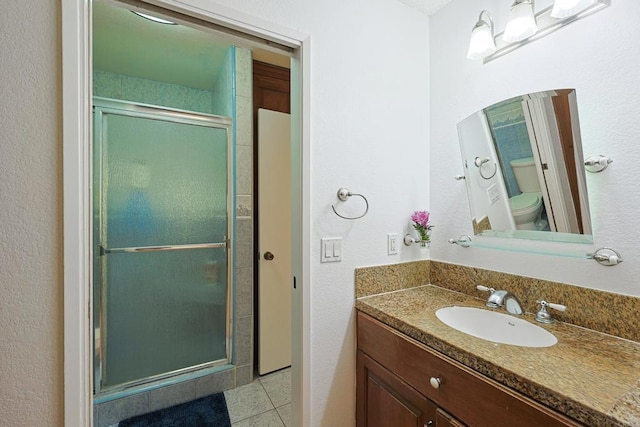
x=589 y=376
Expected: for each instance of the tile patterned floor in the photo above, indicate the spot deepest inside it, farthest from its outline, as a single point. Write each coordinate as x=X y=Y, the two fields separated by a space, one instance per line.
x=266 y=402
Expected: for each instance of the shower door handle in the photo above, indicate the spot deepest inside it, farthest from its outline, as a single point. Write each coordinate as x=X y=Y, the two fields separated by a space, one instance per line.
x=137 y=249
x=269 y=256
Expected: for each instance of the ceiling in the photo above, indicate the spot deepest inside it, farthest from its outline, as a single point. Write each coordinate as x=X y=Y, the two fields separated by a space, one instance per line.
x=426 y=6
x=125 y=43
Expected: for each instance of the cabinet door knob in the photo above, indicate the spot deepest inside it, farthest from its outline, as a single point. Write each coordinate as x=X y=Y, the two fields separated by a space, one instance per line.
x=429 y=424
x=435 y=382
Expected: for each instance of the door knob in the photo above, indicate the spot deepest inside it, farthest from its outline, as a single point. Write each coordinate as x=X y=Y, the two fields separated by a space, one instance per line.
x=268 y=256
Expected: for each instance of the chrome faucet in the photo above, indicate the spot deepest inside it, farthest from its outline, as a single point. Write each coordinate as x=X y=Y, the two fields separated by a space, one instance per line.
x=544 y=316
x=502 y=298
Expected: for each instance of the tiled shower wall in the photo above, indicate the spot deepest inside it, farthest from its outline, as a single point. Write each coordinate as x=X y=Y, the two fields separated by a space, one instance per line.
x=243 y=355
x=127 y=88
x=110 y=85
x=510 y=134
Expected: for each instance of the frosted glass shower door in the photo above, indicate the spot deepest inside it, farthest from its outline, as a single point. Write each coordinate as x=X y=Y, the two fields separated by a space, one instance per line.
x=162 y=217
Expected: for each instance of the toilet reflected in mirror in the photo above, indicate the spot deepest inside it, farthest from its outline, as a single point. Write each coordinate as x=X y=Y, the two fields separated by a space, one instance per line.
x=526 y=207
x=539 y=191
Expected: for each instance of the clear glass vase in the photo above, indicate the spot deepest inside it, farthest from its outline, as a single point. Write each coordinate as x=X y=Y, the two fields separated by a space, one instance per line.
x=425 y=238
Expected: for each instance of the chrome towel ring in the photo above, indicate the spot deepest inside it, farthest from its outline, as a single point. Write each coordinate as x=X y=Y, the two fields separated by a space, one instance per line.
x=481 y=162
x=343 y=196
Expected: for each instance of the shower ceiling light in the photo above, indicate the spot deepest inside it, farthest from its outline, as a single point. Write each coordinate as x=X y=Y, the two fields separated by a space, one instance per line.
x=521 y=23
x=154 y=18
x=482 y=43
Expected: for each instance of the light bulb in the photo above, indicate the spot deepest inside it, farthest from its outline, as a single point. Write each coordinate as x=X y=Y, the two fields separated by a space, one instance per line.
x=565 y=8
x=481 y=43
x=522 y=22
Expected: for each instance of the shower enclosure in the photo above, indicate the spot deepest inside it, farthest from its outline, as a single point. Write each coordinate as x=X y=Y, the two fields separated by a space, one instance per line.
x=162 y=194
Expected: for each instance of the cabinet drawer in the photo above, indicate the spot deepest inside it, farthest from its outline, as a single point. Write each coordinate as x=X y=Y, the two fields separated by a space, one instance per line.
x=471 y=397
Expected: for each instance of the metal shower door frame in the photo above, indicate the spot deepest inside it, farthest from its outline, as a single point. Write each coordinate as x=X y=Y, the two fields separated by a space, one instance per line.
x=102 y=106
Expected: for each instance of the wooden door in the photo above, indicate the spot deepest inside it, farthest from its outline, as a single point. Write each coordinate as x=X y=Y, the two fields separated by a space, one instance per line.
x=444 y=419
x=274 y=244
x=384 y=400
x=271 y=88
x=562 y=109
x=272 y=223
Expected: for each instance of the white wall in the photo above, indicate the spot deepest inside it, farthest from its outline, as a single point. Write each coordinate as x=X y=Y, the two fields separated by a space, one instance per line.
x=369 y=130
x=599 y=57
x=30 y=215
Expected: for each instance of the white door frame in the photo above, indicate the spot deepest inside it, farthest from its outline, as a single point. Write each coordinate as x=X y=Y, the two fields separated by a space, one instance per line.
x=76 y=104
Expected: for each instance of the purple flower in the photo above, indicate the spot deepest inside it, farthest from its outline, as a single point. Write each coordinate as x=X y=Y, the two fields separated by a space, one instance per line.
x=422 y=225
x=421 y=218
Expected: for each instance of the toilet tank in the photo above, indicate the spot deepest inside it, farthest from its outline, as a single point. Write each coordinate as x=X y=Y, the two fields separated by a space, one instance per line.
x=526 y=175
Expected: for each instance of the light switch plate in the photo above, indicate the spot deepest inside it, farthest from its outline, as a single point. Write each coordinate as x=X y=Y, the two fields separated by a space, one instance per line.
x=493 y=194
x=331 y=249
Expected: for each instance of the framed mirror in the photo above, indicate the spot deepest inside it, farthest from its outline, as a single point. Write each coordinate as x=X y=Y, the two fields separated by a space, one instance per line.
x=524 y=169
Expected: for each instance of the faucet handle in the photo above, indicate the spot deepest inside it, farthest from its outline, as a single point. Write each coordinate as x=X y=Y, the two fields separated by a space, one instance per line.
x=558 y=307
x=543 y=316
x=485 y=289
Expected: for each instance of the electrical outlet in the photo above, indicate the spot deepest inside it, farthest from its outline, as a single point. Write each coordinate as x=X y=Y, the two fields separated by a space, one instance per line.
x=392 y=244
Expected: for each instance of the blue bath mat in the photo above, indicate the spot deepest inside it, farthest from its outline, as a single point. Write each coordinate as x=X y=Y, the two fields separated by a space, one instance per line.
x=209 y=411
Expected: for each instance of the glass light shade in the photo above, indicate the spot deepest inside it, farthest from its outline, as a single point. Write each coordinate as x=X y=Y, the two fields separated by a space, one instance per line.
x=481 y=44
x=566 y=8
x=522 y=22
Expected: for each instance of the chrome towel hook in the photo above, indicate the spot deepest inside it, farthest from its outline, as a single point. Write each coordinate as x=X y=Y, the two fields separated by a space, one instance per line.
x=343 y=196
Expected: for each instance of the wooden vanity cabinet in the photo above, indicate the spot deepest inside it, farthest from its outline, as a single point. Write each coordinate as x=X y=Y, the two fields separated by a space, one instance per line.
x=394 y=388
x=385 y=400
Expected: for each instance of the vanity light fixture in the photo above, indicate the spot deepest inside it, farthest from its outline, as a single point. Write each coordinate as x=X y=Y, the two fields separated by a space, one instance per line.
x=482 y=43
x=567 y=8
x=521 y=23
x=523 y=26
x=154 y=18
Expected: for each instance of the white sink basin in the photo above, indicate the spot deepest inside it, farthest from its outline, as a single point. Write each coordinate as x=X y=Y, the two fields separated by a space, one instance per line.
x=496 y=327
